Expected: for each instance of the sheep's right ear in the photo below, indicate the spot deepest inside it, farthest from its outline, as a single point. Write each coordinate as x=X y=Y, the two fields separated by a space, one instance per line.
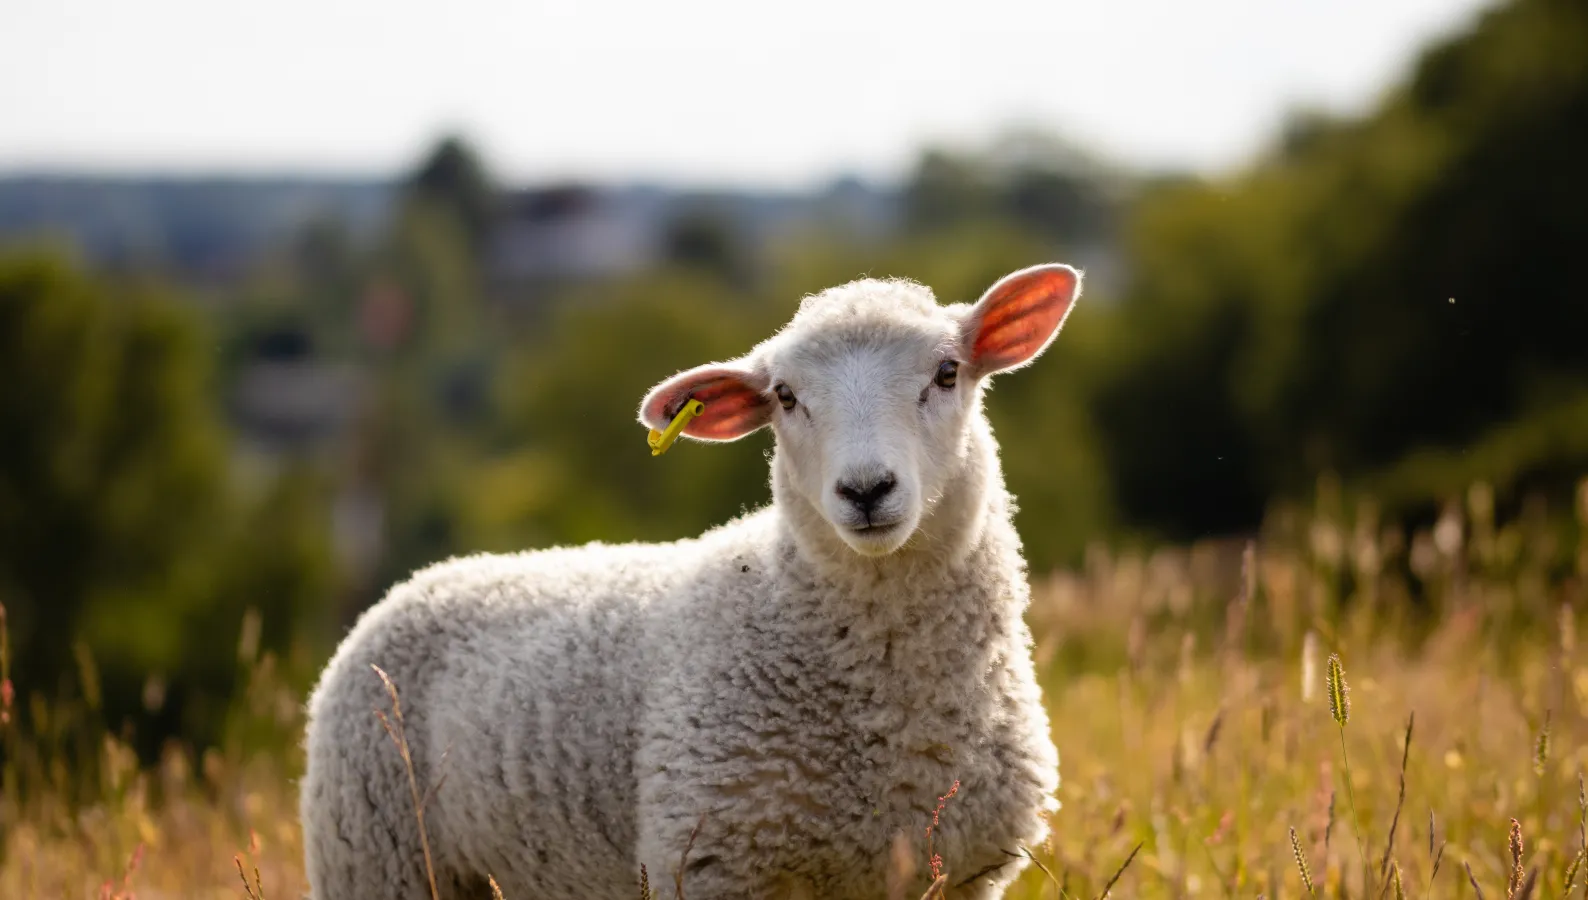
x=735 y=398
x=1019 y=316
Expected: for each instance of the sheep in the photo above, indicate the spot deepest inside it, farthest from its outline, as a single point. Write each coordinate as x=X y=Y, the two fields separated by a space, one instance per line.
x=773 y=706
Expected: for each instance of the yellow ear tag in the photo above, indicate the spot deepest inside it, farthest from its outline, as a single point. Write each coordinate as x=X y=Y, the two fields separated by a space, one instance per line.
x=661 y=440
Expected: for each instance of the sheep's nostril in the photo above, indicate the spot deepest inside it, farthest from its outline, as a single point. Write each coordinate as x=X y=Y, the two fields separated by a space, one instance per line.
x=881 y=489
x=867 y=496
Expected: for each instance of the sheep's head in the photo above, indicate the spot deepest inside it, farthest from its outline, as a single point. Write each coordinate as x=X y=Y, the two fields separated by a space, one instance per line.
x=873 y=391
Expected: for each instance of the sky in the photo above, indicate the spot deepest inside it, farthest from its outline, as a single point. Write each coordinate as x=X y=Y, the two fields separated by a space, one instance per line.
x=688 y=91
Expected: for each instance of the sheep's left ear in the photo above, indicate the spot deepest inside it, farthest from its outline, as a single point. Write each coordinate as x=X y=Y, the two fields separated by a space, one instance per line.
x=734 y=395
x=1018 y=317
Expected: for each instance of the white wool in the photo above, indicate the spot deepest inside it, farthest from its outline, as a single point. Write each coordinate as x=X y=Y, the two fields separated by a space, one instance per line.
x=800 y=690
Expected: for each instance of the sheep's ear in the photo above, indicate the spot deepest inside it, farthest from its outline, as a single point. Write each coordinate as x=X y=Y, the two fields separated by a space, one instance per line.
x=735 y=397
x=1018 y=317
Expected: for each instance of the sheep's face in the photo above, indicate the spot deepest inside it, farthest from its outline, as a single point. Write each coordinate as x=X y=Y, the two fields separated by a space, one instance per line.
x=872 y=391
x=870 y=421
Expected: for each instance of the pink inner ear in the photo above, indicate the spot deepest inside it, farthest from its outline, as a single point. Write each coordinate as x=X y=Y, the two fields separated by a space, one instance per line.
x=1020 y=315
x=733 y=407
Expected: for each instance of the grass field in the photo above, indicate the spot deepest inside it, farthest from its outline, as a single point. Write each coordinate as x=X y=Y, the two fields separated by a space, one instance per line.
x=1190 y=698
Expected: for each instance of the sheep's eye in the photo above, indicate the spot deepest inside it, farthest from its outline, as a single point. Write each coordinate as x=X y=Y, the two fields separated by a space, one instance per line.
x=785 y=396
x=947 y=372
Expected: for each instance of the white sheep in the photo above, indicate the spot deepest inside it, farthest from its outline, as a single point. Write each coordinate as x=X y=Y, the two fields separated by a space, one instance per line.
x=799 y=685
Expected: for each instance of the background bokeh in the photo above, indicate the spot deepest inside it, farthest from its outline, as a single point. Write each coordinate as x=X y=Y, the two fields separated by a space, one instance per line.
x=245 y=404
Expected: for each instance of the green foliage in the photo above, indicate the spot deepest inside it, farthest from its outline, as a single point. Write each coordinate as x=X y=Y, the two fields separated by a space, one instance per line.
x=576 y=466
x=1026 y=179
x=1379 y=287
x=124 y=549
x=111 y=465
x=454 y=180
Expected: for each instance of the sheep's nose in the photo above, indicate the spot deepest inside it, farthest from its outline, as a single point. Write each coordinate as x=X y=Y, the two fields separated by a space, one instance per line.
x=866 y=495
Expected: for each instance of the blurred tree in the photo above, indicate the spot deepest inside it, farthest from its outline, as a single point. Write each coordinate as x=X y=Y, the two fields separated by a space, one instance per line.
x=1374 y=289
x=703 y=238
x=1304 y=131
x=573 y=465
x=430 y=347
x=119 y=526
x=454 y=180
x=1024 y=178
x=1067 y=205
x=946 y=189
x=427 y=256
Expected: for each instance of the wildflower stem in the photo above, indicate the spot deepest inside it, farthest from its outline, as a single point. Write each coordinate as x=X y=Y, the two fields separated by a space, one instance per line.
x=1473 y=880
x=1121 y=870
x=1400 y=801
x=1350 y=794
x=396 y=730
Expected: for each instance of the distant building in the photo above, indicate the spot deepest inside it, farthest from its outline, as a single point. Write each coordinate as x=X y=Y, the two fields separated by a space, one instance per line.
x=572 y=232
x=298 y=403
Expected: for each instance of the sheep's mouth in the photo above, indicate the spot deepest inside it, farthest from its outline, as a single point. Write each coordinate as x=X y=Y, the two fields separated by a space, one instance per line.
x=876 y=538
x=875 y=529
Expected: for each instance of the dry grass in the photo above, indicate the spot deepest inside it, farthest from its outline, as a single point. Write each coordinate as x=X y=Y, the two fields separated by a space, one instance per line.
x=1190 y=701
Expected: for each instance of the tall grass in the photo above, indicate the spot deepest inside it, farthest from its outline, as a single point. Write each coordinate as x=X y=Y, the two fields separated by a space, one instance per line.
x=1189 y=699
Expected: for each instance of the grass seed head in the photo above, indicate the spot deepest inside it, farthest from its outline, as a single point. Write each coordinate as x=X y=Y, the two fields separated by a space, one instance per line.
x=1528 y=885
x=935 y=860
x=1571 y=874
x=1339 y=691
x=1301 y=861
x=1517 y=873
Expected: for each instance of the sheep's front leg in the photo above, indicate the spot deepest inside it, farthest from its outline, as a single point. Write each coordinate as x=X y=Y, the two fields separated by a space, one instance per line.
x=357 y=847
x=360 y=835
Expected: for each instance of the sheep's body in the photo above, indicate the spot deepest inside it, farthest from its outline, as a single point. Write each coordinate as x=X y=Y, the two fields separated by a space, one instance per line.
x=802 y=705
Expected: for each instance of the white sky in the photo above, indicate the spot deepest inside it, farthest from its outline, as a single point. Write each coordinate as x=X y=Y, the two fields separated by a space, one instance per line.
x=723 y=91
